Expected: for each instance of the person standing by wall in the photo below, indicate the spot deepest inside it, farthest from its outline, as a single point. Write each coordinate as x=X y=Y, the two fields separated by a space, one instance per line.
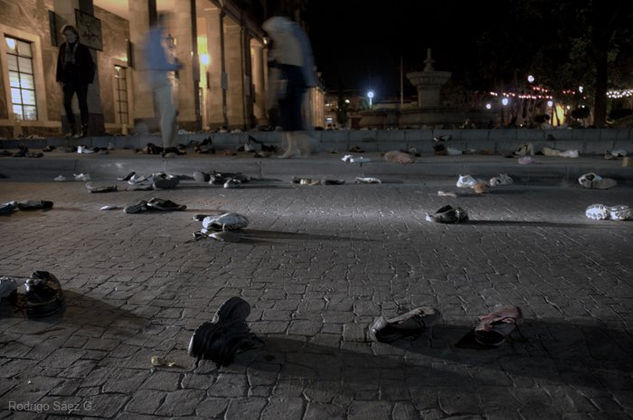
x=291 y=57
x=160 y=67
x=75 y=71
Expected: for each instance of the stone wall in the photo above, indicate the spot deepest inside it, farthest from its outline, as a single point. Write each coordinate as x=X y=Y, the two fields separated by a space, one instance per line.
x=115 y=32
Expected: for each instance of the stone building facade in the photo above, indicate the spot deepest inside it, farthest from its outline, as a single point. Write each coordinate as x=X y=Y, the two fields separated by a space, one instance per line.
x=223 y=82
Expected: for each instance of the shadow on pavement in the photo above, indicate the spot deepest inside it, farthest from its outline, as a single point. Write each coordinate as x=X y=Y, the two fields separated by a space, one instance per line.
x=262 y=235
x=549 y=353
x=539 y=224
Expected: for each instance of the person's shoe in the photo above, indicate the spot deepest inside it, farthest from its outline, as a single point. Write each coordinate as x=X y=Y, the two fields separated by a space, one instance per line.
x=226 y=221
x=448 y=214
x=604 y=183
x=620 y=212
x=465 y=181
x=586 y=180
x=412 y=323
x=496 y=327
x=332 y=181
x=140 y=207
x=8 y=286
x=597 y=212
x=569 y=154
x=367 y=180
x=524 y=150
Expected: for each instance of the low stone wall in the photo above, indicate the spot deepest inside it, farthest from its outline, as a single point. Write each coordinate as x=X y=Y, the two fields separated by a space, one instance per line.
x=586 y=141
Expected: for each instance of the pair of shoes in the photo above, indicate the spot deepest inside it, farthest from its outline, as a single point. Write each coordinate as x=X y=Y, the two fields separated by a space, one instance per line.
x=502 y=179
x=602 y=212
x=226 y=221
x=448 y=214
x=225 y=336
x=410 y=324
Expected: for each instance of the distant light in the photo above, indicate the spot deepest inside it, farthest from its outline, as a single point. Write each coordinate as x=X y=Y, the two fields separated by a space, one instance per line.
x=580 y=89
x=505 y=101
x=10 y=43
x=205 y=59
x=488 y=106
x=265 y=41
x=550 y=104
x=530 y=78
x=329 y=119
x=370 y=94
x=346 y=101
x=568 y=107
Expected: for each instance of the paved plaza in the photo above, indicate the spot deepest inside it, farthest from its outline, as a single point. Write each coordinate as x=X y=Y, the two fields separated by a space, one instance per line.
x=317 y=264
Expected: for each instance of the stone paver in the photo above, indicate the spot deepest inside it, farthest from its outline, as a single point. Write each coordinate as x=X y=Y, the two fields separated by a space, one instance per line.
x=317 y=265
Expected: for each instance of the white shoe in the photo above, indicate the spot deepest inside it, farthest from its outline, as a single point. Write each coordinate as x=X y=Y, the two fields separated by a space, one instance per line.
x=347 y=158
x=60 y=178
x=569 y=154
x=82 y=177
x=502 y=179
x=597 y=212
x=359 y=160
x=586 y=180
x=620 y=213
x=451 y=151
x=466 y=181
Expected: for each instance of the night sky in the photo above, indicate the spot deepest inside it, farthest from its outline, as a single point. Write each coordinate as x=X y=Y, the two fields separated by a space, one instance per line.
x=358 y=43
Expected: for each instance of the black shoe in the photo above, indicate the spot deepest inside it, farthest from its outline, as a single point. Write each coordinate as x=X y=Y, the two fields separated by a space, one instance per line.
x=127 y=177
x=137 y=208
x=164 y=205
x=34 y=204
x=448 y=214
x=44 y=296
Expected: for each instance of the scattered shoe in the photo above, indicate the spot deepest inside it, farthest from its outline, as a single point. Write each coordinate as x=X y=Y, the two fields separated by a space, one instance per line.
x=82 y=177
x=127 y=177
x=397 y=156
x=524 y=150
x=527 y=160
x=465 y=181
x=109 y=207
x=451 y=151
x=620 y=212
x=446 y=194
x=448 y=214
x=200 y=176
x=480 y=188
x=225 y=336
x=495 y=328
x=232 y=183
x=597 y=212
x=140 y=207
x=165 y=182
x=502 y=179
x=44 y=296
x=8 y=288
x=34 y=205
x=410 y=324
x=9 y=207
x=60 y=178
x=226 y=221
x=368 y=180
x=595 y=181
x=101 y=188
x=164 y=205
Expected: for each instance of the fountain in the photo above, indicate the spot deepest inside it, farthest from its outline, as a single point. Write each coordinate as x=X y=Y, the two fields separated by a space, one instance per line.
x=429 y=112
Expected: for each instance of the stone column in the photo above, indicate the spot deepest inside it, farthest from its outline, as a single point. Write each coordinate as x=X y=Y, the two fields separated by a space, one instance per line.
x=234 y=68
x=183 y=28
x=258 y=65
x=214 y=45
x=65 y=9
x=143 y=106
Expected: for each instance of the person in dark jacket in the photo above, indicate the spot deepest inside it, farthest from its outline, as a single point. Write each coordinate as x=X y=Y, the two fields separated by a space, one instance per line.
x=75 y=71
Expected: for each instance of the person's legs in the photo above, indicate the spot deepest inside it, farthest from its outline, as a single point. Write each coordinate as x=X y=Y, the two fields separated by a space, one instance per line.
x=69 y=90
x=167 y=113
x=82 y=98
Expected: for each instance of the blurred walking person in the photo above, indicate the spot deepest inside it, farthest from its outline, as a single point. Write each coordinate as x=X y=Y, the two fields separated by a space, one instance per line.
x=75 y=71
x=290 y=58
x=159 y=66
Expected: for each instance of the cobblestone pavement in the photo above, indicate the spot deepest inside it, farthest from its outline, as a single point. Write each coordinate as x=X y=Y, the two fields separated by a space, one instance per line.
x=317 y=265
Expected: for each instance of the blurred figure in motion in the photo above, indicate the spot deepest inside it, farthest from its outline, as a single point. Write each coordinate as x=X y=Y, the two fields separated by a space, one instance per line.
x=292 y=62
x=160 y=65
